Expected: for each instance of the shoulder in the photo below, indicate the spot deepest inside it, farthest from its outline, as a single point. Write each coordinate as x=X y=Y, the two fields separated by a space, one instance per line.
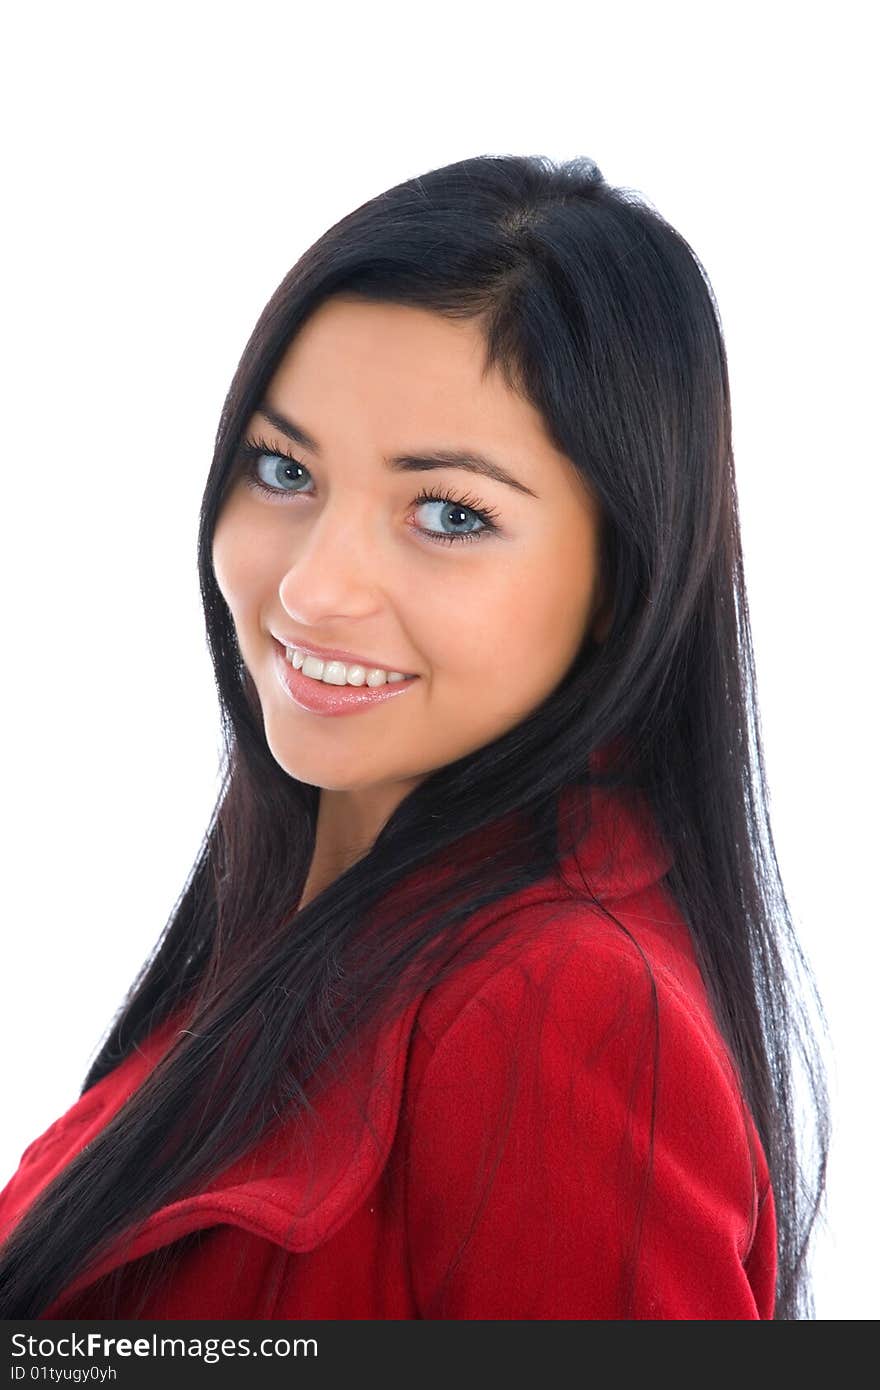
x=573 y=1083
x=583 y=969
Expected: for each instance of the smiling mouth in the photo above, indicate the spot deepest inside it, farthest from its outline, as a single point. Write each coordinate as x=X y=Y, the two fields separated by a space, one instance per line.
x=323 y=697
x=342 y=674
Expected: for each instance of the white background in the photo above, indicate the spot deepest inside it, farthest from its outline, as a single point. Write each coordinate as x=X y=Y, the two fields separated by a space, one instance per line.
x=164 y=167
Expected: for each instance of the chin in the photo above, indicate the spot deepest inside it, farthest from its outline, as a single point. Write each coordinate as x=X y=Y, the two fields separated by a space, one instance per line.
x=316 y=772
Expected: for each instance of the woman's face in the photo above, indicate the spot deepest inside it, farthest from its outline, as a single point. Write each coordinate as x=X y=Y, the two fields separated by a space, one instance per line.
x=341 y=554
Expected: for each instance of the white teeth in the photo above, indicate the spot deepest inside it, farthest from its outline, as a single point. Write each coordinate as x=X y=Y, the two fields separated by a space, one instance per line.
x=337 y=673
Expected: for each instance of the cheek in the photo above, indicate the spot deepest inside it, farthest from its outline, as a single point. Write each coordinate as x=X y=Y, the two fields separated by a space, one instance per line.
x=236 y=555
x=533 y=610
x=554 y=604
x=513 y=635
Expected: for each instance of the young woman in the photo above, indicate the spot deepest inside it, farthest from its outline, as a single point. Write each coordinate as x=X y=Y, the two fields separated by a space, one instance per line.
x=476 y=1003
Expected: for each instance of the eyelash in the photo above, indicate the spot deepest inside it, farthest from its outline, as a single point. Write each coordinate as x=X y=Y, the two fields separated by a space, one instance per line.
x=253 y=449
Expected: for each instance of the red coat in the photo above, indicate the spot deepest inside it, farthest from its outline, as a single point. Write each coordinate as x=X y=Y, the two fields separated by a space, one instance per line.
x=373 y=1226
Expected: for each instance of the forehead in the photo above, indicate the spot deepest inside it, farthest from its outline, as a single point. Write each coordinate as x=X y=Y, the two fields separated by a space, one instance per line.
x=405 y=375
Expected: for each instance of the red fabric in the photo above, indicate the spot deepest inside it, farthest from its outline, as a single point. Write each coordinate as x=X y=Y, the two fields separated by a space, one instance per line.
x=485 y=1155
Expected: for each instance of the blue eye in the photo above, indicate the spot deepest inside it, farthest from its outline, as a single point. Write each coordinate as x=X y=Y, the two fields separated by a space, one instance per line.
x=285 y=466
x=456 y=506
x=285 y=469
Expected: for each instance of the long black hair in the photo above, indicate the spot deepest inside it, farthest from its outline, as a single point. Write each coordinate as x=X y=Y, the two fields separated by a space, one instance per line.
x=600 y=314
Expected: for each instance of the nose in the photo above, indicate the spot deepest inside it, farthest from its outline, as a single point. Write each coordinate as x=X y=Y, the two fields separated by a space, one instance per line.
x=336 y=569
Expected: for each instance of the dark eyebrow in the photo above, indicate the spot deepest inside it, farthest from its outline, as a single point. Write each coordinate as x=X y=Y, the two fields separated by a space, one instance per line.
x=468 y=459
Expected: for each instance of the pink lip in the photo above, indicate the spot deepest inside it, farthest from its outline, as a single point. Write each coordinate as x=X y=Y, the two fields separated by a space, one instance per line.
x=318 y=698
x=338 y=654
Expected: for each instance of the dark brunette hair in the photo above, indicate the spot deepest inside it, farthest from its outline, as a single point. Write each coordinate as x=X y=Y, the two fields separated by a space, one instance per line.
x=600 y=314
